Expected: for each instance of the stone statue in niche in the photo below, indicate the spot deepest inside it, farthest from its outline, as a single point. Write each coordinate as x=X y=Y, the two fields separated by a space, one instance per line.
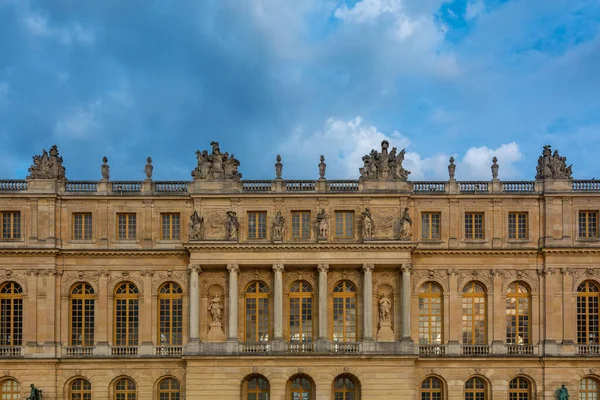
x=385 y=308
x=322 y=224
x=105 y=169
x=562 y=393
x=216 y=166
x=384 y=331
x=278 y=226
x=322 y=167
x=405 y=226
x=383 y=165
x=495 y=167
x=368 y=226
x=552 y=166
x=216 y=310
x=233 y=225
x=196 y=225
x=278 y=167
x=47 y=166
x=451 y=168
x=148 y=169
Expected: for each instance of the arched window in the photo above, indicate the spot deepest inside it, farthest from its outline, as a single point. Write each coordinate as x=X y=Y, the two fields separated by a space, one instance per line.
x=170 y=312
x=300 y=387
x=519 y=389
x=82 y=315
x=517 y=313
x=301 y=325
x=80 y=389
x=345 y=388
x=11 y=309
x=126 y=315
x=473 y=314
x=256 y=388
x=475 y=389
x=9 y=390
x=587 y=313
x=344 y=312
x=432 y=389
x=589 y=389
x=125 y=389
x=168 y=389
x=257 y=312
x=430 y=313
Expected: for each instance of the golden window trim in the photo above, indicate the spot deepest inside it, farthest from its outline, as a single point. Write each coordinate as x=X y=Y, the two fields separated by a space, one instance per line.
x=429 y=296
x=472 y=296
x=172 y=328
x=171 y=222
x=301 y=295
x=517 y=215
x=471 y=234
x=257 y=226
x=128 y=298
x=301 y=225
x=344 y=236
x=430 y=225
x=344 y=295
x=588 y=224
x=257 y=294
x=84 y=227
x=130 y=224
x=15 y=225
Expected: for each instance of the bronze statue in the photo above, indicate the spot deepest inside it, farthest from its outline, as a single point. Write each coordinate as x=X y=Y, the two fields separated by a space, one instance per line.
x=34 y=394
x=562 y=393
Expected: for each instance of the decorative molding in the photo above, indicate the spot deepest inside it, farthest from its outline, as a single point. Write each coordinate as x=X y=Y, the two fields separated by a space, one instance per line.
x=323 y=268
x=368 y=267
x=278 y=267
x=258 y=247
x=233 y=268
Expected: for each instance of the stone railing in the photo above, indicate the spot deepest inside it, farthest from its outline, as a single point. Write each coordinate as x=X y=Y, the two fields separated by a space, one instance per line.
x=521 y=350
x=299 y=186
x=342 y=186
x=476 y=349
x=346 y=347
x=432 y=349
x=168 y=350
x=177 y=187
x=124 y=351
x=13 y=184
x=126 y=186
x=254 y=347
x=11 y=351
x=78 y=351
x=473 y=187
x=428 y=187
x=518 y=186
x=586 y=186
x=588 y=349
x=256 y=186
x=301 y=347
x=81 y=186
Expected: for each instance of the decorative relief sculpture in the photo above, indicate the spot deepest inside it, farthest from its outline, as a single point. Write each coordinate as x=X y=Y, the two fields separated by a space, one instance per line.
x=368 y=226
x=216 y=310
x=105 y=169
x=552 y=166
x=322 y=224
x=451 y=168
x=322 y=167
x=148 y=168
x=47 y=166
x=278 y=226
x=196 y=225
x=233 y=225
x=495 y=168
x=405 y=226
x=278 y=167
x=216 y=166
x=562 y=393
x=383 y=165
x=384 y=220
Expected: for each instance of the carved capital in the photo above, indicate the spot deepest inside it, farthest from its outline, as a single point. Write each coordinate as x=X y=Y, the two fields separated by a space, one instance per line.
x=368 y=267
x=233 y=268
x=323 y=267
x=278 y=267
x=32 y=272
x=566 y=271
x=496 y=273
x=452 y=272
x=147 y=273
x=195 y=268
x=406 y=267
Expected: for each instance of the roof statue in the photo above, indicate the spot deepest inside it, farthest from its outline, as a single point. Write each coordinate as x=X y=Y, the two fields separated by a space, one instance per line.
x=47 y=166
x=216 y=166
x=552 y=166
x=383 y=165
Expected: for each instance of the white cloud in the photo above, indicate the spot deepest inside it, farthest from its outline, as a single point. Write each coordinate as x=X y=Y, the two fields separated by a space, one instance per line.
x=37 y=25
x=368 y=10
x=81 y=122
x=474 y=8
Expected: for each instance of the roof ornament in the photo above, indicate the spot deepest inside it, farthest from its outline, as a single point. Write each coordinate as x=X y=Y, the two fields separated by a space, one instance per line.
x=383 y=165
x=47 y=166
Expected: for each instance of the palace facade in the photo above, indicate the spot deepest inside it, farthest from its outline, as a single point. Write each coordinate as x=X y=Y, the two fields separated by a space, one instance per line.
x=378 y=288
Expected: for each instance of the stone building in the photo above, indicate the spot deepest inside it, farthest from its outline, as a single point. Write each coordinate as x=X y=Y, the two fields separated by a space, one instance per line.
x=379 y=288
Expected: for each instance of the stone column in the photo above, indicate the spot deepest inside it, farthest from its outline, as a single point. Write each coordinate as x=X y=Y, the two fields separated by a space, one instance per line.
x=323 y=334
x=234 y=270
x=406 y=271
x=368 y=302
x=194 y=302
x=278 y=344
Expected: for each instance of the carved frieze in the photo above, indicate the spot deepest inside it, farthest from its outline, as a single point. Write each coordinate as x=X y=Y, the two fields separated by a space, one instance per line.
x=215 y=224
x=384 y=221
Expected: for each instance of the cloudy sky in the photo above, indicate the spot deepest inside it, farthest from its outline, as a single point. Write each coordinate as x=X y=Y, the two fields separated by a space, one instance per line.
x=131 y=79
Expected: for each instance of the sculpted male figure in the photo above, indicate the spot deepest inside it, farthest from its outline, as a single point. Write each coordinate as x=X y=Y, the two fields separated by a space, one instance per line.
x=34 y=394
x=322 y=224
x=562 y=393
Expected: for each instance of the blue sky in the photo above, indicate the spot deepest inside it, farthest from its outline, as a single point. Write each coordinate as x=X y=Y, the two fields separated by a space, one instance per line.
x=471 y=79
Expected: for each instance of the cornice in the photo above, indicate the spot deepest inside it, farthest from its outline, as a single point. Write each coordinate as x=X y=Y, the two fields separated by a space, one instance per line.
x=475 y=252
x=567 y=250
x=122 y=253
x=267 y=247
x=27 y=251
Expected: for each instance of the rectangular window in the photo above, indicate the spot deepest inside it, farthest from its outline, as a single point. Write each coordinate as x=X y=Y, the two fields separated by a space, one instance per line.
x=257 y=225
x=11 y=224
x=301 y=224
x=126 y=226
x=170 y=226
x=344 y=224
x=474 y=225
x=82 y=226
x=430 y=225
x=518 y=225
x=588 y=224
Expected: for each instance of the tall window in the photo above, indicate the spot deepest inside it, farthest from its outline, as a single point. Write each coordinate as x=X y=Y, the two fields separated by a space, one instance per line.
x=517 y=313
x=301 y=326
x=588 y=224
x=257 y=312
x=344 y=388
x=126 y=314
x=82 y=226
x=11 y=314
x=125 y=389
x=518 y=226
x=475 y=389
x=519 y=389
x=257 y=225
x=9 y=390
x=431 y=389
x=126 y=226
x=344 y=312
x=82 y=315
x=430 y=225
x=256 y=388
x=589 y=389
x=344 y=224
x=473 y=314
x=11 y=224
x=430 y=313
x=170 y=226
x=587 y=313
x=170 y=311
x=300 y=388
x=301 y=224
x=168 y=389
x=474 y=225
x=80 y=389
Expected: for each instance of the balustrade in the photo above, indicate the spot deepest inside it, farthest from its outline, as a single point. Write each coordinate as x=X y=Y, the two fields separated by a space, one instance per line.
x=521 y=349
x=432 y=349
x=13 y=185
x=256 y=186
x=342 y=186
x=124 y=351
x=254 y=347
x=588 y=349
x=476 y=349
x=168 y=350
x=438 y=187
x=130 y=186
x=81 y=186
x=473 y=186
x=78 y=351
x=516 y=186
x=586 y=186
x=300 y=186
x=11 y=351
x=345 y=347
x=177 y=187
x=301 y=347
